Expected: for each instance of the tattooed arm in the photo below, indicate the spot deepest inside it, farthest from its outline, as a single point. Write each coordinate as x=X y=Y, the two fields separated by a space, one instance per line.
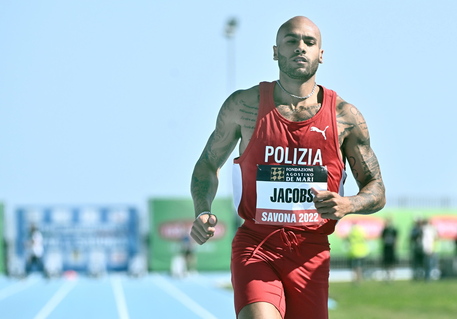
x=363 y=162
x=205 y=175
x=355 y=146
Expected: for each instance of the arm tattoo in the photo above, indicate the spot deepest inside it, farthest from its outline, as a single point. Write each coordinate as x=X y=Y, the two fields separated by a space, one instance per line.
x=248 y=114
x=355 y=141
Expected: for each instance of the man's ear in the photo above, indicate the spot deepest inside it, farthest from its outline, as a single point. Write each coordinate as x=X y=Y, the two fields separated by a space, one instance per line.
x=275 y=53
x=321 y=56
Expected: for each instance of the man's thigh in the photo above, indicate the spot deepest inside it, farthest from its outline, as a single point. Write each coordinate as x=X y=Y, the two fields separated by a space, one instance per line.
x=259 y=310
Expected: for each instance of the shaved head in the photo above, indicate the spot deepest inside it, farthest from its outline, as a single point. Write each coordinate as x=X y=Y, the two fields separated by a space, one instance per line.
x=298 y=38
x=298 y=23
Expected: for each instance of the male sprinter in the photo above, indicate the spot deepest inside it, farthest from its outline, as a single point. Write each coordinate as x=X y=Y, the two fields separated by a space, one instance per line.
x=295 y=138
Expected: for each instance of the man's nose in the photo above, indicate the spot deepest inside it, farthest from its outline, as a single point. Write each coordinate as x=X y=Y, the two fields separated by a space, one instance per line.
x=301 y=46
x=300 y=49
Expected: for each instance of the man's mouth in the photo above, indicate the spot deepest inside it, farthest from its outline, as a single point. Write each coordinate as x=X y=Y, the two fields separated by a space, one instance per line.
x=300 y=59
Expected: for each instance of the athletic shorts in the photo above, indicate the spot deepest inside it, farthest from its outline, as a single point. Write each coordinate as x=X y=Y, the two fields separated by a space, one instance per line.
x=286 y=268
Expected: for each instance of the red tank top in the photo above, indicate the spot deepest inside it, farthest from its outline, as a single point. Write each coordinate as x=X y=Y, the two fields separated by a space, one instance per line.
x=283 y=160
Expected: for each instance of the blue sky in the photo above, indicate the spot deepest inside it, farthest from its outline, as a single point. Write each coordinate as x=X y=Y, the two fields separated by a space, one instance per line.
x=108 y=102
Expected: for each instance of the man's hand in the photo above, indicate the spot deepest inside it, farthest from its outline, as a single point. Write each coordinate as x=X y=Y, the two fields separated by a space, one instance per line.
x=331 y=205
x=203 y=228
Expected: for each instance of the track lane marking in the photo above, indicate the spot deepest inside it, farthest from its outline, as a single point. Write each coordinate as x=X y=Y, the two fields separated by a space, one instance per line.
x=183 y=298
x=121 y=303
x=17 y=287
x=55 y=300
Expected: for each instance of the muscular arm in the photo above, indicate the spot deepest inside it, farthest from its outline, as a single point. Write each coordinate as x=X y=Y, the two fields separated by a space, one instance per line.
x=355 y=147
x=218 y=148
x=230 y=127
x=362 y=160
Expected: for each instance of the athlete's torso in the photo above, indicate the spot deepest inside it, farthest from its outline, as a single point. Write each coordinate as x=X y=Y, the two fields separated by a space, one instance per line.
x=302 y=144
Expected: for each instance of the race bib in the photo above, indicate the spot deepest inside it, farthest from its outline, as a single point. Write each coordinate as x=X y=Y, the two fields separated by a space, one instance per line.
x=284 y=195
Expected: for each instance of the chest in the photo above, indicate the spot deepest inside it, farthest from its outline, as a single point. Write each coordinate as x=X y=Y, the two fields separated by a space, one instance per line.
x=298 y=113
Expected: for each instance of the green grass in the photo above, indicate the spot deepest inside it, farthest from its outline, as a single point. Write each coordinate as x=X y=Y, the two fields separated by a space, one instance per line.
x=396 y=300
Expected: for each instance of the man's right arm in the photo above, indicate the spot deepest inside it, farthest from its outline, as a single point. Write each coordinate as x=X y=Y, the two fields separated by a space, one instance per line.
x=205 y=175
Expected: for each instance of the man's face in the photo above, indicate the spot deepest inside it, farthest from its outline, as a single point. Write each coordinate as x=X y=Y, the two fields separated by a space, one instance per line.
x=298 y=50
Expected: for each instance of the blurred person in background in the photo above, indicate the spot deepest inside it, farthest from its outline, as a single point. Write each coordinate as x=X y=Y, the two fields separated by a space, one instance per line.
x=35 y=250
x=358 y=251
x=429 y=241
x=389 y=242
x=184 y=262
x=416 y=249
x=188 y=251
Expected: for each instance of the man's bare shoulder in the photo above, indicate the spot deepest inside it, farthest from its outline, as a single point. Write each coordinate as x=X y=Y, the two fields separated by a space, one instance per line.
x=347 y=111
x=245 y=97
x=343 y=108
x=251 y=95
x=242 y=104
x=349 y=119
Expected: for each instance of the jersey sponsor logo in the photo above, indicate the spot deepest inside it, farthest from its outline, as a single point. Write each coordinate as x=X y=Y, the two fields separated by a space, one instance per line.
x=284 y=173
x=277 y=174
x=295 y=155
x=315 y=129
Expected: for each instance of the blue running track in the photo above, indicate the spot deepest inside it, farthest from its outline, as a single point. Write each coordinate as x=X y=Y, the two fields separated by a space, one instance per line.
x=117 y=296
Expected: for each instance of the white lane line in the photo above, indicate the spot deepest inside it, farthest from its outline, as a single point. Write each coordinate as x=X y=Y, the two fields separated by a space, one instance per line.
x=55 y=300
x=183 y=298
x=120 y=298
x=17 y=287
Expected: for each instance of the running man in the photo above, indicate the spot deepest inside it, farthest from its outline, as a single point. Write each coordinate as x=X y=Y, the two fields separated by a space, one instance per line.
x=295 y=138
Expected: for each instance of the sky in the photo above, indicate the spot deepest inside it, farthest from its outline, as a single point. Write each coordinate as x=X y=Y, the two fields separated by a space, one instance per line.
x=111 y=102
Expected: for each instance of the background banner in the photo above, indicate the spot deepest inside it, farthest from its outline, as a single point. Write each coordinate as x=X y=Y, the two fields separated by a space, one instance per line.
x=76 y=236
x=444 y=221
x=170 y=224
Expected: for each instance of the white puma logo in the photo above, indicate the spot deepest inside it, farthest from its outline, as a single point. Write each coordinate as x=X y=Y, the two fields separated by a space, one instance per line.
x=315 y=129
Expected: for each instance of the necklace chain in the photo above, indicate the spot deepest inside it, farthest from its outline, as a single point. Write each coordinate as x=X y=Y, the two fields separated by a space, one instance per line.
x=296 y=96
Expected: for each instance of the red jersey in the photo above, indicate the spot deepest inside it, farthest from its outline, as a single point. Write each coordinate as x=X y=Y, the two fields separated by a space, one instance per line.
x=273 y=178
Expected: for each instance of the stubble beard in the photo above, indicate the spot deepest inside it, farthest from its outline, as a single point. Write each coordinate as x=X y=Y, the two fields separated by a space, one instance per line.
x=297 y=74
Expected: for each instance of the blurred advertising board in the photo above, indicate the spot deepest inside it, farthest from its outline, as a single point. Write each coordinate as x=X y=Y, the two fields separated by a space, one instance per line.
x=443 y=220
x=170 y=224
x=78 y=235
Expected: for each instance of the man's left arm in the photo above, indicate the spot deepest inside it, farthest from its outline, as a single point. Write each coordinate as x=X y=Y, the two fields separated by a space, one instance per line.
x=356 y=148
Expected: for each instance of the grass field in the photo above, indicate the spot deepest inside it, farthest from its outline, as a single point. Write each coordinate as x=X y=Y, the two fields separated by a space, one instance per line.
x=396 y=300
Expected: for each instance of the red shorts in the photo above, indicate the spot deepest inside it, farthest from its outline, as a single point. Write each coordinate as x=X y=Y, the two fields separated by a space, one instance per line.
x=288 y=269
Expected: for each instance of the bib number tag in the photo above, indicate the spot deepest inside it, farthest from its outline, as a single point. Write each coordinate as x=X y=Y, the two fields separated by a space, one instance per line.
x=284 y=195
